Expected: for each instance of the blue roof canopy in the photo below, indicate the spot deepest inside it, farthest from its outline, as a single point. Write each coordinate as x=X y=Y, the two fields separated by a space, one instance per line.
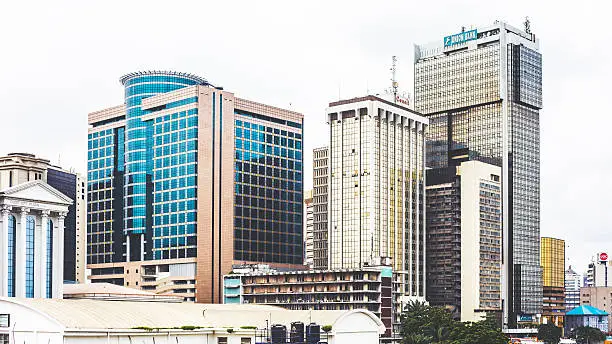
x=586 y=310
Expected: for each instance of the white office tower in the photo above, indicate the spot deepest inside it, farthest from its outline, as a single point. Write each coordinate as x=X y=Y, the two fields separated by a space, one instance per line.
x=573 y=282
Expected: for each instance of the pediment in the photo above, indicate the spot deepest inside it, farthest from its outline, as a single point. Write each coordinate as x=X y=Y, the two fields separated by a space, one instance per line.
x=38 y=191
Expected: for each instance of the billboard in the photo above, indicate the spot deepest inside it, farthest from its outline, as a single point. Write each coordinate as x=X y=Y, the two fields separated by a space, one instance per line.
x=460 y=38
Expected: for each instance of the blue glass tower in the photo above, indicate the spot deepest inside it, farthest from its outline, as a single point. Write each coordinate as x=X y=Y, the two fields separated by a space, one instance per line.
x=139 y=151
x=161 y=172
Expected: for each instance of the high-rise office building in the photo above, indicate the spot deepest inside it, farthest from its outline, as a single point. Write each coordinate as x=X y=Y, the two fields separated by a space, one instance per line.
x=598 y=297
x=309 y=230
x=81 y=229
x=320 y=176
x=573 y=282
x=18 y=168
x=599 y=271
x=552 y=255
x=482 y=92
x=464 y=240
x=185 y=179
x=377 y=188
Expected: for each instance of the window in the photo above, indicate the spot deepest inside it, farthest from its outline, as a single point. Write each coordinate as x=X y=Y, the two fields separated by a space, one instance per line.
x=245 y=340
x=5 y=320
x=29 y=266
x=4 y=338
x=11 y=255
x=222 y=340
x=49 y=266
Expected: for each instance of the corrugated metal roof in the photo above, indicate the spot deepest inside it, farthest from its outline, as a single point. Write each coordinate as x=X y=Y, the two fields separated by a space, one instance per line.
x=109 y=291
x=107 y=288
x=95 y=314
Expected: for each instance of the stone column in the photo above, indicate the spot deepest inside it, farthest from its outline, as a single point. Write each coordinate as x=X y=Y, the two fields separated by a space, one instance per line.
x=5 y=212
x=58 y=258
x=41 y=268
x=20 y=254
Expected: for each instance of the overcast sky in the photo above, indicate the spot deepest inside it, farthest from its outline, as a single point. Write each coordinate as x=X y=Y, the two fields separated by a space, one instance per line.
x=60 y=60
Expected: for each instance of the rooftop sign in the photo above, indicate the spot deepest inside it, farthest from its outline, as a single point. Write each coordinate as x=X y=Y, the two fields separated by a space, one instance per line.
x=603 y=257
x=460 y=38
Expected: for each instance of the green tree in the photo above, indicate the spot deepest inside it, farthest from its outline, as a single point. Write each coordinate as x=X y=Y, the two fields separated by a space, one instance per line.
x=417 y=339
x=588 y=335
x=549 y=333
x=482 y=332
x=428 y=324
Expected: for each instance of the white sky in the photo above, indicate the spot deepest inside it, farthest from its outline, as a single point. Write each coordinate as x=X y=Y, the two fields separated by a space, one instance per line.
x=60 y=60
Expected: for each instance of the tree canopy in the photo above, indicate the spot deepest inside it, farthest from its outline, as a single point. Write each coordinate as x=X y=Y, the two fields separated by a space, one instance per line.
x=588 y=335
x=549 y=333
x=422 y=323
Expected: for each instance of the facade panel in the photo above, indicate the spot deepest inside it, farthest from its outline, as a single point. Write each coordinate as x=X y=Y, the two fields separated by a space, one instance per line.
x=320 y=206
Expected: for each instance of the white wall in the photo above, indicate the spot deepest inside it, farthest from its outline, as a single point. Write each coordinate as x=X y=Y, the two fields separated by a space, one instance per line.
x=27 y=326
x=471 y=174
x=355 y=328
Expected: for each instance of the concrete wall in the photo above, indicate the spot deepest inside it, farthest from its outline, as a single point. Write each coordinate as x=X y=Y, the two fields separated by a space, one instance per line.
x=472 y=172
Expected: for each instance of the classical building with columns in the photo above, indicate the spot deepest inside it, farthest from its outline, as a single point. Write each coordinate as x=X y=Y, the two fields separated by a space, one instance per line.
x=31 y=240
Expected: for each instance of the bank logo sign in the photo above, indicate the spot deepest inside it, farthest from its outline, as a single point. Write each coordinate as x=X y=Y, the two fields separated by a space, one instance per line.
x=460 y=38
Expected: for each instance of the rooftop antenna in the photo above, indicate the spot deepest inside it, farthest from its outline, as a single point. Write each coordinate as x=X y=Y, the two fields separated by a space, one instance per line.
x=394 y=83
x=527 y=25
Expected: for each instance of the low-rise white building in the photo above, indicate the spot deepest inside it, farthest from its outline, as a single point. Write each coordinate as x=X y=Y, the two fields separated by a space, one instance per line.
x=32 y=240
x=56 y=321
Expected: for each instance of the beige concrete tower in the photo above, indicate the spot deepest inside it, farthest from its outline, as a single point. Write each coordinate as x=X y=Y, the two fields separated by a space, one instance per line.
x=377 y=188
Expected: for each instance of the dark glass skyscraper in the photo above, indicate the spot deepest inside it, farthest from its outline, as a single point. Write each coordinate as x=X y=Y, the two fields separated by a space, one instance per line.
x=185 y=179
x=269 y=188
x=66 y=183
x=482 y=91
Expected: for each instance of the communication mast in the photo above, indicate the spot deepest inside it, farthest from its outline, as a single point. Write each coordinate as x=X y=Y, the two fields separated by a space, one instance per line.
x=394 y=83
x=527 y=25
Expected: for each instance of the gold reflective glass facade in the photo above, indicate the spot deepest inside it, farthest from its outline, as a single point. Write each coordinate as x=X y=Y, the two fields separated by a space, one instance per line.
x=553 y=262
x=377 y=188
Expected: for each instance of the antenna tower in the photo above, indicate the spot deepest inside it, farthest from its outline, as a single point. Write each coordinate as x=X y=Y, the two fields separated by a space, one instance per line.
x=394 y=83
x=527 y=25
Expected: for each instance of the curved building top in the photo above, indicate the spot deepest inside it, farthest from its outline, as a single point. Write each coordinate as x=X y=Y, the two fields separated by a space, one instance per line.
x=130 y=78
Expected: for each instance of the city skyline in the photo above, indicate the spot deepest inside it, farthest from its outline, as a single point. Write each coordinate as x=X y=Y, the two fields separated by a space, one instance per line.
x=65 y=97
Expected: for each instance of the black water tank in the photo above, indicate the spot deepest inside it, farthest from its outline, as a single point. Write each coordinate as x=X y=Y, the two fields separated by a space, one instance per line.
x=297 y=332
x=313 y=333
x=279 y=334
